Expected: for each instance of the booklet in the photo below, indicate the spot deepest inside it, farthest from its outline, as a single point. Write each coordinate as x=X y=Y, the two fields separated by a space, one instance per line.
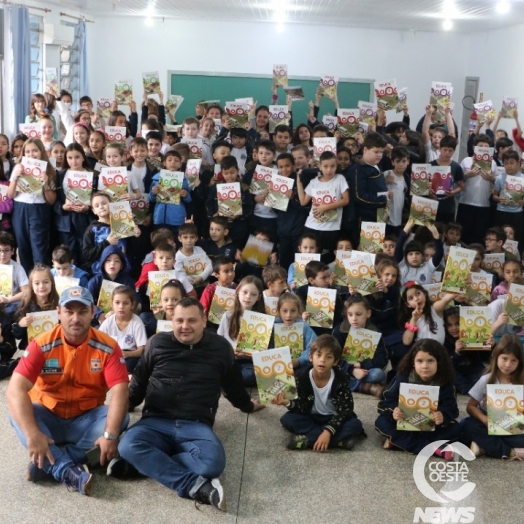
x=485 y=110
x=383 y=212
x=483 y=158
x=295 y=93
x=78 y=187
x=493 y=262
x=433 y=290
x=124 y=92
x=274 y=374
x=121 y=219
x=372 y=236
x=280 y=78
x=255 y=332
x=361 y=273
x=30 y=180
x=328 y=87
x=193 y=171
x=417 y=402
x=325 y=196
x=63 y=283
x=42 y=321
x=223 y=300
x=257 y=251
x=195 y=265
x=195 y=148
x=291 y=336
x=341 y=278
x=151 y=81
x=30 y=130
x=386 y=94
x=441 y=97
x=6 y=280
x=238 y=113
x=140 y=210
x=278 y=187
x=51 y=81
x=367 y=112
x=441 y=181
x=321 y=144
x=402 y=99
x=277 y=116
x=156 y=281
x=114 y=182
x=513 y=190
x=348 y=122
x=505 y=407
x=360 y=344
x=115 y=134
x=172 y=103
x=164 y=326
x=512 y=246
x=105 y=297
x=475 y=327
x=170 y=186
x=458 y=269
x=509 y=107
x=515 y=305
x=270 y=305
x=301 y=260
x=478 y=290
x=423 y=210
x=229 y=198
x=420 y=179
x=103 y=107
x=261 y=179
x=330 y=122
x=321 y=304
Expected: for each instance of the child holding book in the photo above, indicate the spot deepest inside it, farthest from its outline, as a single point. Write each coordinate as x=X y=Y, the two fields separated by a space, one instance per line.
x=224 y=272
x=125 y=327
x=506 y=368
x=40 y=295
x=307 y=244
x=511 y=271
x=427 y=363
x=322 y=415
x=64 y=265
x=114 y=155
x=97 y=144
x=248 y=297
x=397 y=181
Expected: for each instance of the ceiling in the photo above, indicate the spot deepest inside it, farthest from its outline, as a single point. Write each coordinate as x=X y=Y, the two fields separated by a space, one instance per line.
x=421 y=15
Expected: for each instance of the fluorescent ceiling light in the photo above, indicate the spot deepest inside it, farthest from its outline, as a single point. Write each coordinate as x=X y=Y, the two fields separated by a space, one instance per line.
x=502 y=7
x=447 y=24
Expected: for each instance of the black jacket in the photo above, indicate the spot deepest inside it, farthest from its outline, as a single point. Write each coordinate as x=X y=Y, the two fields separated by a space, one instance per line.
x=179 y=381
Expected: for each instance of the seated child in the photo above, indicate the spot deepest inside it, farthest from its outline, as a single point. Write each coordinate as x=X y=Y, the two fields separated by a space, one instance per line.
x=307 y=244
x=322 y=415
x=64 y=265
x=20 y=280
x=243 y=269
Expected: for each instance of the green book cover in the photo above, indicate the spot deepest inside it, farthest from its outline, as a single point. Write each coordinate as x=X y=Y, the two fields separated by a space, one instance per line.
x=417 y=402
x=505 y=407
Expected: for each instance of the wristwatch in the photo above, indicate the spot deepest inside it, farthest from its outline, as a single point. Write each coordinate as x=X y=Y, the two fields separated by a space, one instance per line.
x=110 y=436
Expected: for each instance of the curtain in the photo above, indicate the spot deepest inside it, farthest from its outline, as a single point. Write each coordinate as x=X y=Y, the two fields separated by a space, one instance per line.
x=80 y=54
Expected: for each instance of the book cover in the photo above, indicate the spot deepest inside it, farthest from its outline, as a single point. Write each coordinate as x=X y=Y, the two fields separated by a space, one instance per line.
x=6 y=280
x=328 y=87
x=42 y=321
x=386 y=94
x=485 y=110
x=151 y=81
x=360 y=344
x=173 y=103
x=382 y=212
x=361 y=273
x=482 y=158
x=417 y=402
x=223 y=300
x=193 y=171
x=277 y=116
x=124 y=92
x=367 y=112
x=433 y=290
x=458 y=269
x=30 y=180
x=440 y=96
x=195 y=148
x=195 y=265
x=423 y=210
x=505 y=409
x=512 y=246
x=372 y=236
x=106 y=295
x=51 y=81
x=348 y=122
x=63 y=283
x=321 y=144
x=121 y=219
x=301 y=260
x=156 y=281
x=255 y=332
x=441 y=181
x=478 y=290
x=323 y=197
x=509 y=107
x=140 y=210
x=515 y=305
x=229 y=199
x=513 y=190
x=493 y=262
x=341 y=278
x=295 y=93
x=270 y=305
x=115 y=134
x=169 y=187
x=30 y=130
x=164 y=326
x=330 y=122
x=278 y=188
x=321 y=305
x=78 y=186
x=420 y=179
x=291 y=336
x=280 y=78
x=402 y=99
x=274 y=374
x=238 y=113
x=103 y=107
x=114 y=182
x=257 y=251
x=475 y=327
x=261 y=179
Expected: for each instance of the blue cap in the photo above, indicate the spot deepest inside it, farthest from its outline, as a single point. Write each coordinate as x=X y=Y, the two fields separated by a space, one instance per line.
x=76 y=294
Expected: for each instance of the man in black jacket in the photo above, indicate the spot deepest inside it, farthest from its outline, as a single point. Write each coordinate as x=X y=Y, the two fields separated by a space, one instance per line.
x=181 y=377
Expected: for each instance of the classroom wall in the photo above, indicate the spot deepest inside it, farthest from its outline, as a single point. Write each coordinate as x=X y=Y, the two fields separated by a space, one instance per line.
x=125 y=47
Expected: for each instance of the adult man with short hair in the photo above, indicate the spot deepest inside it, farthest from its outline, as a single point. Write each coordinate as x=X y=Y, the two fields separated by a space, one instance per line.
x=57 y=392
x=181 y=377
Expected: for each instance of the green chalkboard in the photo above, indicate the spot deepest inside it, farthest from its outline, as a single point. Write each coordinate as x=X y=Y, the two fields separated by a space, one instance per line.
x=226 y=87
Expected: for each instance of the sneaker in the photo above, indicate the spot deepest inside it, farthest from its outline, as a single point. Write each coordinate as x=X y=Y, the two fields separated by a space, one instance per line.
x=477 y=450
x=348 y=443
x=446 y=455
x=297 y=442
x=78 y=478
x=212 y=493
x=516 y=454
x=36 y=474
x=121 y=469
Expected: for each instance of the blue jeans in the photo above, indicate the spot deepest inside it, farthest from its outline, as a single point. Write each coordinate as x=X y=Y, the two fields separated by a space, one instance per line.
x=72 y=436
x=374 y=376
x=180 y=454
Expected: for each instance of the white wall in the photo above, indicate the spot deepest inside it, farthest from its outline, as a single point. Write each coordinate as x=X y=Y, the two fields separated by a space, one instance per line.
x=124 y=48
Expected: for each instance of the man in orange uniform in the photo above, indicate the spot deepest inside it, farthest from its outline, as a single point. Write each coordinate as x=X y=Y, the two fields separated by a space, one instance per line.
x=57 y=392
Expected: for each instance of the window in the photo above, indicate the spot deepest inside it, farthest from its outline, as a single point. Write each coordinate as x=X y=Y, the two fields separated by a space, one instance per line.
x=69 y=78
x=37 y=52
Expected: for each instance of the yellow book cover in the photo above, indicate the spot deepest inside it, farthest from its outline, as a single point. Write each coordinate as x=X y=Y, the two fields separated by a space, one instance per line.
x=417 y=402
x=164 y=326
x=223 y=300
x=475 y=327
x=478 y=290
x=151 y=81
x=156 y=281
x=505 y=407
x=515 y=305
x=458 y=269
x=301 y=260
x=509 y=107
x=229 y=198
x=6 y=280
x=321 y=306
x=257 y=251
x=114 y=182
x=513 y=190
x=386 y=94
x=194 y=266
x=423 y=210
x=169 y=187
x=341 y=278
x=361 y=274
x=30 y=180
x=41 y=322
x=291 y=336
x=372 y=236
x=360 y=345
x=124 y=92
x=328 y=87
x=270 y=305
x=106 y=295
x=121 y=219
x=63 y=283
x=433 y=291
x=255 y=332
x=493 y=262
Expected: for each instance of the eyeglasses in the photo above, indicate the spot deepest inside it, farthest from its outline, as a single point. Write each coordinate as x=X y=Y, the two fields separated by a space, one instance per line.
x=5 y=251
x=490 y=240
